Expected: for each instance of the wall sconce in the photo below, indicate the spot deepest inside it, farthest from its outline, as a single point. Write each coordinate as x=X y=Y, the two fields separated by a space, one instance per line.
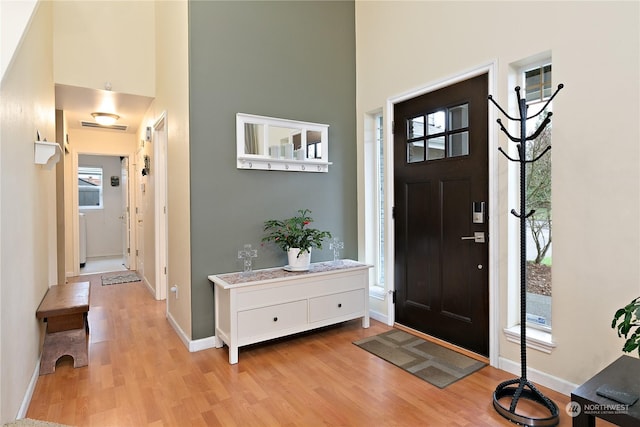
x=105 y=119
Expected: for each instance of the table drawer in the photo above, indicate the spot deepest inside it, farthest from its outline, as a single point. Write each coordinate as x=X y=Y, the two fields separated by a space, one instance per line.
x=265 y=320
x=336 y=305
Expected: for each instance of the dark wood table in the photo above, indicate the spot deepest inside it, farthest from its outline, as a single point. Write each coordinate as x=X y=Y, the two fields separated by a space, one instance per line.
x=623 y=374
x=64 y=308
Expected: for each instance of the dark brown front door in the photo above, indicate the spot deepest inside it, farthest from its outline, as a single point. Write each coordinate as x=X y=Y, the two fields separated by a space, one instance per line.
x=441 y=247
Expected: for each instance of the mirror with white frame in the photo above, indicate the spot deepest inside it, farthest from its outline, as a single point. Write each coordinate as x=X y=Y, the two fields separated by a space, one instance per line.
x=269 y=143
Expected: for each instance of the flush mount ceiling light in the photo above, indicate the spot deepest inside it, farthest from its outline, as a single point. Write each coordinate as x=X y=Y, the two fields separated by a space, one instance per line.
x=105 y=119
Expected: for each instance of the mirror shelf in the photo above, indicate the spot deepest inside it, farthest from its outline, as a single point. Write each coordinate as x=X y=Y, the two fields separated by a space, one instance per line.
x=268 y=143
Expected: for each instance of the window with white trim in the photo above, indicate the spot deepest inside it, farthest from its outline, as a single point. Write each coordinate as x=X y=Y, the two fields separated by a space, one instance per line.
x=533 y=76
x=374 y=200
x=90 y=187
x=535 y=82
x=380 y=200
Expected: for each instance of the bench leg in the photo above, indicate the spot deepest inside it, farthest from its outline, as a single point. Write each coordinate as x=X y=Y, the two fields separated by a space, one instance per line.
x=72 y=343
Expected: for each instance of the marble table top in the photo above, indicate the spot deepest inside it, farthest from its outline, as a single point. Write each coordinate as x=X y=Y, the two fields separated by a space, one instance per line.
x=280 y=272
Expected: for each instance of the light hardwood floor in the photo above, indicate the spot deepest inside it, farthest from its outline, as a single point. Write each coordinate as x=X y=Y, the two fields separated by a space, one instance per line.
x=141 y=374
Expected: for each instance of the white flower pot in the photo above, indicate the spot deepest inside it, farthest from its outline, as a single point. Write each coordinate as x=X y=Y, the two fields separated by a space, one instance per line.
x=298 y=263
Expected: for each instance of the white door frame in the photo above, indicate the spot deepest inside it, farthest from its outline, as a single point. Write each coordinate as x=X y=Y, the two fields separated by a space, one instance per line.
x=160 y=140
x=126 y=212
x=489 y=68
x=75 y=223
x=138 y=215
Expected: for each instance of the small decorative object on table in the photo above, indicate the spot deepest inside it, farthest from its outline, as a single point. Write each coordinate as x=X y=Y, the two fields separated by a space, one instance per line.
x=294 y=233
x=336 y=245
x=246 y=255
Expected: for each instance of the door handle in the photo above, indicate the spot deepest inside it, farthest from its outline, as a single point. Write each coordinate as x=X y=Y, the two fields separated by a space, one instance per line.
x=477 y=237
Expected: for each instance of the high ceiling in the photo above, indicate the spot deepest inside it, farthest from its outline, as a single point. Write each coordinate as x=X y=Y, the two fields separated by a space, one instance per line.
x=78 y=103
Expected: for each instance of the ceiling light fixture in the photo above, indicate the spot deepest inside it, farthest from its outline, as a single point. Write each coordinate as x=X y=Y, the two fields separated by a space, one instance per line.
x=105 y=119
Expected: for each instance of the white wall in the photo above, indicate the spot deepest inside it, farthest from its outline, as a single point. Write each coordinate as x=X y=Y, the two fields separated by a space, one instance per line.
x=402 y=46
x=105 y=41
x=104 y=226
x=15 y=16
x=27 y=210
x=172 y=96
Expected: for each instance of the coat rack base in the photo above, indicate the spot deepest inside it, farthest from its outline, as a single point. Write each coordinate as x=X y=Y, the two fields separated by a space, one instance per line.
x=516 y=390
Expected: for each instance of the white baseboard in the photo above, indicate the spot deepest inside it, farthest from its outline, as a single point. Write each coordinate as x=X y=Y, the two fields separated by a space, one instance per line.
x=192 y=345
x=538 y=377
x=378 y=316
x=149 y=287
x=26 y=401
x=202 y=344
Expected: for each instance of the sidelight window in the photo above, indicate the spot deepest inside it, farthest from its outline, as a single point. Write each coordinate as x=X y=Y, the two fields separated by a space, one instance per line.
x=374 y=199
x=534 y=78
x=537 y=84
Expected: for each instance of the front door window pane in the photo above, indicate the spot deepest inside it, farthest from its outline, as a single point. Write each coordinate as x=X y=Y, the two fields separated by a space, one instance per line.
x=435 y=123
x=436 y=148
x=459 y=144
x=415 y=128
x=415 y=151
x=459 y=117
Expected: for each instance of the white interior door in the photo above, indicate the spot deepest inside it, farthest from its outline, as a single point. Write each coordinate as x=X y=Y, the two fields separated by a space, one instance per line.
x=126 y=224
x=138 y=215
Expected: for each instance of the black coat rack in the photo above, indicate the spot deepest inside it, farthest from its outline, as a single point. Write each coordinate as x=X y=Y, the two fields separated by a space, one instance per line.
x=521 y=387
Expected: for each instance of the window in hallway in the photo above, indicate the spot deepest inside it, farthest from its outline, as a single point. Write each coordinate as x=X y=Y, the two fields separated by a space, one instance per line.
x=89 y=187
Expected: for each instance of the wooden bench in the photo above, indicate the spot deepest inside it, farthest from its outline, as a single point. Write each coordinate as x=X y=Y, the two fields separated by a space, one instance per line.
x=64 y=308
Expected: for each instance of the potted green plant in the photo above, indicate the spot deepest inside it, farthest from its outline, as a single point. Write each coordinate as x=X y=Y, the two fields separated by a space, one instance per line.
x=294 y=236
x=627 y=321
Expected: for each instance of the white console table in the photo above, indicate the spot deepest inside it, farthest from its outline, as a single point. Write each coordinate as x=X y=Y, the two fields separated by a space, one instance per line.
x=272 y=303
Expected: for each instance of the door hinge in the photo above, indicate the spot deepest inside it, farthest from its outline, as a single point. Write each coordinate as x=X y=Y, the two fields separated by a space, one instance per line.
x=393 y=296
x=165 y=270
x=393 y=212
x=136 y=252
x=393 y=127
x=128 y=250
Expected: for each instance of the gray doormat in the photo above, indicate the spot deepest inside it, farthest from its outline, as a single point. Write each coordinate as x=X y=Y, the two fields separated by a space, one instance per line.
x=426 y=360
x=115 y=279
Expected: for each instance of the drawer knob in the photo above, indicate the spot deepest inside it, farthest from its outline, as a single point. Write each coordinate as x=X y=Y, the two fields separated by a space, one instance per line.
x=275 y=319
x=339 y=305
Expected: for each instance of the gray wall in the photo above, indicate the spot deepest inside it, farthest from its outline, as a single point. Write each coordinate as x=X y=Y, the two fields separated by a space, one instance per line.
x=293 y=60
